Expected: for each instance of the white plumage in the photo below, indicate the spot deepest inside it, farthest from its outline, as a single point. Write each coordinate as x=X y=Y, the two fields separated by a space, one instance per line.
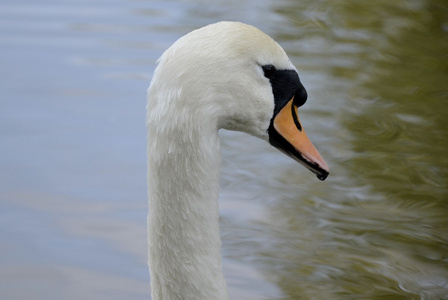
x=211 y=78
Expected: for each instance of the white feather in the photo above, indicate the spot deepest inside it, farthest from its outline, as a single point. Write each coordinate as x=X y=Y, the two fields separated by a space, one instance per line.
x=209 y=79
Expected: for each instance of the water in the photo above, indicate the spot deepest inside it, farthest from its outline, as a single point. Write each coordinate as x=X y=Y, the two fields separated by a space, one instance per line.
x=72 y=138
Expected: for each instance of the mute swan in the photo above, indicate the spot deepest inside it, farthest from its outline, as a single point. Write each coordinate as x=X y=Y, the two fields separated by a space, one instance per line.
x=224 y=75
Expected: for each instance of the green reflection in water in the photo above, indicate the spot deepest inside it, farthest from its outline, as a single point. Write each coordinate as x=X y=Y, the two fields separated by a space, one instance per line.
x=400 y=133
x=378 y=228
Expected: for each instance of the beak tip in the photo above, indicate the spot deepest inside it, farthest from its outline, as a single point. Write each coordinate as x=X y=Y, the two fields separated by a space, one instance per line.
x=322 y=176
x=317 y=165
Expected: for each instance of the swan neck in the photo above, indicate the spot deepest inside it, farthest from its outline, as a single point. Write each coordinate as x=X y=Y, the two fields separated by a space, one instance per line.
x=183 y=228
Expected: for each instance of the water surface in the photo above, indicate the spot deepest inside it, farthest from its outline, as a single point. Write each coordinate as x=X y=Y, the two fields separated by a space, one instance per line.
x=72 y=138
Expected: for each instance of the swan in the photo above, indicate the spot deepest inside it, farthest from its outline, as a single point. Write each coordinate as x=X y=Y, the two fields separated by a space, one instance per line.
x=225 y=75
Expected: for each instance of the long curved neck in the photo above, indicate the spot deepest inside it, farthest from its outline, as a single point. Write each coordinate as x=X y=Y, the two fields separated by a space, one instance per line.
x=183 y=229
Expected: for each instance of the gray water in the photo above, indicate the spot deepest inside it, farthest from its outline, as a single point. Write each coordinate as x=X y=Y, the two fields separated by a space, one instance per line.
x=72 y=142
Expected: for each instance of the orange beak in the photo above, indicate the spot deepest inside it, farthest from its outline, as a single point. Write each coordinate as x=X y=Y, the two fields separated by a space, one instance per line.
x=286 y=133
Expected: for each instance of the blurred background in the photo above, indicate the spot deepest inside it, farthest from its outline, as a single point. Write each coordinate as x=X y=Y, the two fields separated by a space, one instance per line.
x=73 y=201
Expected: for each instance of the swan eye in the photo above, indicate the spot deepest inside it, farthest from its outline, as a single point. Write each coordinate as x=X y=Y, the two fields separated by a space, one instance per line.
x=269 y=71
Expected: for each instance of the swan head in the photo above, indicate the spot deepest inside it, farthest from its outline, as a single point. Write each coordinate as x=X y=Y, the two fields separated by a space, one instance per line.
x=233 y=76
